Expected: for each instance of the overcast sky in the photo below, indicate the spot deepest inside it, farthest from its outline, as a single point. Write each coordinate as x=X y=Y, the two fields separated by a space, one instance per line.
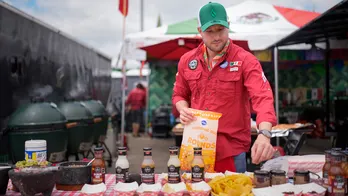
x=99 y=23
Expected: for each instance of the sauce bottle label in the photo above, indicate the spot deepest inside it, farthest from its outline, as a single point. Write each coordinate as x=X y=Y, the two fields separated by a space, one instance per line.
x=197 y=173
x=173 y=174
x=263 y=179
x=337 y=184
x=326 y=183
x=148 y=175
x=277 y=180
x=121 y=174
x=98 y=175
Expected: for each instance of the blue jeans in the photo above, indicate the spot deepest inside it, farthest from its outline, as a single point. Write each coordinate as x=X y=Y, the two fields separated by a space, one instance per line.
x=240 y=162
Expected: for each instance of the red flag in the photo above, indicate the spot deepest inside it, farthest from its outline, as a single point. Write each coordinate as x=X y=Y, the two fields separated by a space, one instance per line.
x=123 y=7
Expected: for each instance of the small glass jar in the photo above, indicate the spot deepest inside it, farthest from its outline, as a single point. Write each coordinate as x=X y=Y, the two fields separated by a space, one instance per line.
x=262 y=179
x=301 y=177
x=278 y=177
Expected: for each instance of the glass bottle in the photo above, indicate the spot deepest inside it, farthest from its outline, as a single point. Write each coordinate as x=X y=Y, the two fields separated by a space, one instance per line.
x=301 y=177
x=98 y=166
x=197 y=166
x=336 y=175
x=345 y=169
x=278 y=177
x=173 y=165
x=122 y=165
x=261 y=179
x=148 y=167
x=326 y=169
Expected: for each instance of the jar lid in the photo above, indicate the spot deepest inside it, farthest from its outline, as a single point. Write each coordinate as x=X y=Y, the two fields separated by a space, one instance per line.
x=98 y=149
x=35 y=143
x=147 y=148
x=261 y=172
x=278 y=172
x=336 y=149
x=336 y=154
x=122 y=148
x=173 y=148
x=301 y=172
x=197 y=148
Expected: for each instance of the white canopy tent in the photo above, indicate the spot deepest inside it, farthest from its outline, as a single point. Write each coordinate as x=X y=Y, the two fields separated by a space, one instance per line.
x=261 y=24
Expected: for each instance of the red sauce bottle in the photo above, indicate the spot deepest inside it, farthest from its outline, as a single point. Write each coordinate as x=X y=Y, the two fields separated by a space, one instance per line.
x=336 y=175
x=98 y=166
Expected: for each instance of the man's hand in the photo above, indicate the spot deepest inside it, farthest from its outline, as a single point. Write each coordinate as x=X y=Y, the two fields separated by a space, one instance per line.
x=262 y=149
x=186 y=116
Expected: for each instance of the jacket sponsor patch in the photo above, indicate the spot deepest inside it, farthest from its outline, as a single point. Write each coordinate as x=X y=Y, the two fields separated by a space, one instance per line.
x=236 y=63
x=233 y=69
x=193 y=64
x=224 y=64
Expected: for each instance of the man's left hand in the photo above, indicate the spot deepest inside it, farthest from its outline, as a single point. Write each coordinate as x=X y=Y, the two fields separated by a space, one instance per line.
x=262 y=150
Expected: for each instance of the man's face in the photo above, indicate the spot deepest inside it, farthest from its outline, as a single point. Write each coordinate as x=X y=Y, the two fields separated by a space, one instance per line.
x=215 y=37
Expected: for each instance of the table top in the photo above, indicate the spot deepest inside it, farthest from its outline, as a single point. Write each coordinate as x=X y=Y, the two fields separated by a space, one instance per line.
x=110 y=180
x=253 y=132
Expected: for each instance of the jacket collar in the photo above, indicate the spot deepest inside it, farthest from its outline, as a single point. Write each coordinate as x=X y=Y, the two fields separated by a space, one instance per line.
x=199 y=53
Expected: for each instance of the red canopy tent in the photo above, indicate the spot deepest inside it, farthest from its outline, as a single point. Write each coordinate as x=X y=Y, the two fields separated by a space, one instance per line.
x=175 y=48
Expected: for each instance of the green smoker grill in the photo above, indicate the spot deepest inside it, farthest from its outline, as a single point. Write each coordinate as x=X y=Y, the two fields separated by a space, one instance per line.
x=81 y=133
x=101 y=118
x=100 y=126
x=38 y=120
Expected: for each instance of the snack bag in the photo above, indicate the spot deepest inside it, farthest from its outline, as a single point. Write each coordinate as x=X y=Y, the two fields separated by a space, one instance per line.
x=200 y=133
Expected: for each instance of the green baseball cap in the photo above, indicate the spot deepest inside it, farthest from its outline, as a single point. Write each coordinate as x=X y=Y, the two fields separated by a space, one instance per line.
x=212 y=14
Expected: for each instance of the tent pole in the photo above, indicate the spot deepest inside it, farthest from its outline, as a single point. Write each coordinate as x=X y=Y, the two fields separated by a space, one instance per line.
x=124 y=82
x=123 y=114
x=327 y=83
x=276 y=86
x=147 y=104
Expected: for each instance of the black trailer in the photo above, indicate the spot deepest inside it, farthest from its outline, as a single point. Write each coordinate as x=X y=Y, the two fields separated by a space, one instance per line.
x=38 y=60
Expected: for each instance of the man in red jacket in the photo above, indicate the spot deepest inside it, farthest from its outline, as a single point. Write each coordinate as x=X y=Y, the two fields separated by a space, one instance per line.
x=137 y=101
x=222 y=77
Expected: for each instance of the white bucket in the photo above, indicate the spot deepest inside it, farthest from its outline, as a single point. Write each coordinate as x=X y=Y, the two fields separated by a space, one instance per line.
x=36 y=150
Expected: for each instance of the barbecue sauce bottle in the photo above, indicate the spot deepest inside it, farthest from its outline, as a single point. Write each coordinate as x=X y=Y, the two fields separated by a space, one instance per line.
x=98 y=166
x=336 y=175
x=173 y=166
x=122 y=165
x=148 y=167
x=197 y=166
x=345 y=169
x=326 y=169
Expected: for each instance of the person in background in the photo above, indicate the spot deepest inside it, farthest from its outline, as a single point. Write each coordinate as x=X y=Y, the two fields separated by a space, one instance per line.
x=136 y=103
x=222 y=77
